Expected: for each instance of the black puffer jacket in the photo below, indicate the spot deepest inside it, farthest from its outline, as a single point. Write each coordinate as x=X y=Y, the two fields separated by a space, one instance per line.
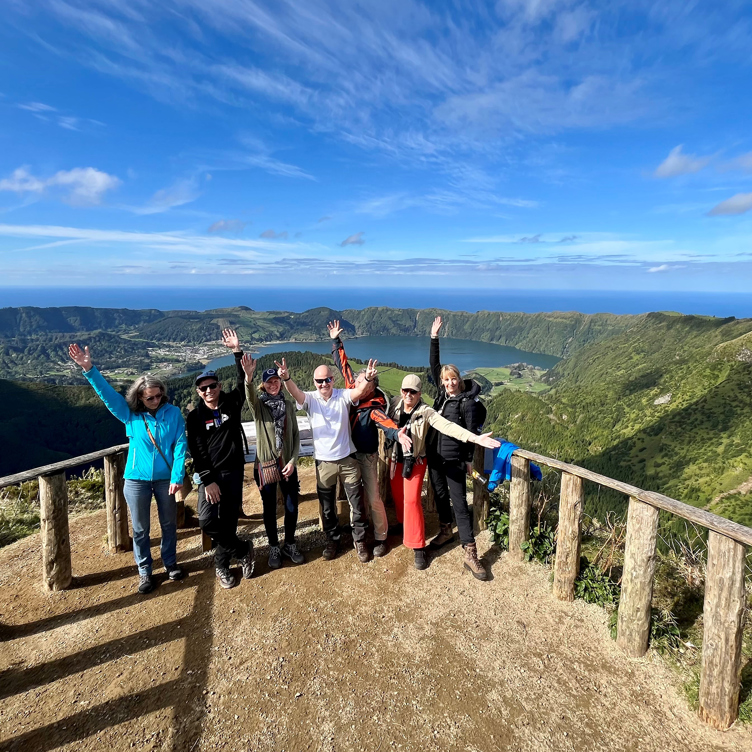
x=464 y=409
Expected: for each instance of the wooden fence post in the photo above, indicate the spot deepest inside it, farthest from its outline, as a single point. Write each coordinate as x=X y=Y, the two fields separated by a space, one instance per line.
x=633 y=630
x=56 y=552
x=519 y=507
x=569 y=536
x=481 y=497
x=723 y=616
x=118 y=539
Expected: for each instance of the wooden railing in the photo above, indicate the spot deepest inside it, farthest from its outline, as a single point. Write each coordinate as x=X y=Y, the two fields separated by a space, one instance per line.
x=725 y=597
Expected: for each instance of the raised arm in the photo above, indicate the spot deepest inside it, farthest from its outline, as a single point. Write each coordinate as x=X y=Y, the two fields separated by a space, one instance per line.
x=435 y=356
x=294 y=390
x=338 y=353
x=230 y=339
x=248 y=366
x=358 y=392
x=114 y=401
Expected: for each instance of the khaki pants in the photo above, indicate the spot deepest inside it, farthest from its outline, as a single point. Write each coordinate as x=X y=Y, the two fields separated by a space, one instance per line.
x=369 y=471
x=327 y=474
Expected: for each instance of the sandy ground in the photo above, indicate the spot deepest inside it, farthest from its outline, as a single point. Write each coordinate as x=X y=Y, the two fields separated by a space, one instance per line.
x=325 y=656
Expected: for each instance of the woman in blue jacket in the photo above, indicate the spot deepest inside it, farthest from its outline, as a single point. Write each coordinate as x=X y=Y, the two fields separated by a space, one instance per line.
x=155 y=465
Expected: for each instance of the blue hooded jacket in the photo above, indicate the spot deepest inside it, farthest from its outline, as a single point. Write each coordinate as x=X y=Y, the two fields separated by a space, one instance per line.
x=502 y=465
x=167 y=427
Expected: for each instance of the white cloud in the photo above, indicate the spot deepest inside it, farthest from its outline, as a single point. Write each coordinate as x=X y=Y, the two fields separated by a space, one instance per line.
x=665 y=268
x=356 y=239
x=677 y=164
x=181 y=192
x=743 y=162
x=37 y=107
x=228 y=225
x=738 y=204
x=271 y=235
x=83 y=186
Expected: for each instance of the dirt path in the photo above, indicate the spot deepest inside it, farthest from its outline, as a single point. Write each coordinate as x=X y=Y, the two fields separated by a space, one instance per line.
x=325 y=656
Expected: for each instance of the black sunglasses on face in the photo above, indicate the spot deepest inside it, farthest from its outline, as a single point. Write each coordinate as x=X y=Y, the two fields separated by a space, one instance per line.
x=327 y=380
x=152 y=398
x=409 y=391
x=207 y=387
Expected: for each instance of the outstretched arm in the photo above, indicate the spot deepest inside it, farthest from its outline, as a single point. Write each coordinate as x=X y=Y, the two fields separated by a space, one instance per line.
x=434 y=356
x=114 y=401
x=338 y=353
x=358 y=392
x=442 y=425
x=248 y=364
x=295 y=392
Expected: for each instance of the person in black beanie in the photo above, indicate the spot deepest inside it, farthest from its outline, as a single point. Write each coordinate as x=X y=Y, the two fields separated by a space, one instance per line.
x=216 y=445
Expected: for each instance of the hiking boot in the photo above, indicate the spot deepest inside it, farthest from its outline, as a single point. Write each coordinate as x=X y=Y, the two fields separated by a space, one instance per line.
x=145 y=584
x=380 y=548
x=362 y=551
x=275 y=557
x=421 y=558
x=290 y=550
x=330 y=550
x=175 y=573
x=226 y=578
x=247 y=563
x=446 y=535
x=473 y=563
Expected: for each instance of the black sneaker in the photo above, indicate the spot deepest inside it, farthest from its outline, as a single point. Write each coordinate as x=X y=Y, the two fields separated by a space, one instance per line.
x=247 y=564
x=226 y=578
x=421 y=558
x=290 y=550
x=380 y=548
x=175 y=573
x=330 y=550
x=145 y=584
x=275 y=557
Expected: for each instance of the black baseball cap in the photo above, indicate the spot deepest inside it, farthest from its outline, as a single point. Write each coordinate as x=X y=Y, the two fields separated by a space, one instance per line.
x=269 y=373
x=206 y=375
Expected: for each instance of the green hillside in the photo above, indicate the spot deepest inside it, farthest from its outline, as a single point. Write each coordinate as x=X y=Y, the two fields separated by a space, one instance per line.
x=665 y=405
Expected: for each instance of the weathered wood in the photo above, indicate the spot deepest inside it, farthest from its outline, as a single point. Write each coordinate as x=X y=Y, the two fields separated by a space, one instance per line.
x=519 y=507
x=723 y=619
x=721 y=525
x=180 y=496
x=569 y=536
x=633 y=629
x=56 y=552
x=118 y=539
x=481 y=497
x=56 y=467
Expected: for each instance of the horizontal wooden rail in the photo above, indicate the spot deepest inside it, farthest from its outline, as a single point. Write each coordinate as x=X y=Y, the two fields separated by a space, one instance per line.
x=721 y=525
x=33 y=474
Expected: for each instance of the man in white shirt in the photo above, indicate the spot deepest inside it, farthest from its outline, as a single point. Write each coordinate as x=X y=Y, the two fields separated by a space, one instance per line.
x=329 y=411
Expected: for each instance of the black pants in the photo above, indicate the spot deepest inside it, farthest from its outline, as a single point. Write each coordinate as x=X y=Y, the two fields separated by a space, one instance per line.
x=448 y=480
x=220 y=521
x=290 y=492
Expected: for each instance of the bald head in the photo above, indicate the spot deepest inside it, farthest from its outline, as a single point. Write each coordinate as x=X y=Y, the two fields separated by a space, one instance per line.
x=322 y=372
x=324 y=380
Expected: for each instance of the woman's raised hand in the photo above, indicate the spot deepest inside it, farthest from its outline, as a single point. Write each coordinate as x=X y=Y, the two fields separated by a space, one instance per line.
x=485 y=440
x=334 y=329
x=79 y=356
x=436 y=326
x=282 y=370
x=230 y=339
x=249 y=366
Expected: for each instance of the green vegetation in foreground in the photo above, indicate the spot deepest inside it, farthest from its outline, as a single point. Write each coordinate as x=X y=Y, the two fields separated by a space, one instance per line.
x=522 y=378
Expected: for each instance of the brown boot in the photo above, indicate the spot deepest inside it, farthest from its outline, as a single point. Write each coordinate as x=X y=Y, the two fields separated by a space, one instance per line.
x=473 y=563
x=446 y=535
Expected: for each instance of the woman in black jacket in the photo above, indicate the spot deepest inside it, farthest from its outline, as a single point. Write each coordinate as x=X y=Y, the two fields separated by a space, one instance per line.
x=450 y=460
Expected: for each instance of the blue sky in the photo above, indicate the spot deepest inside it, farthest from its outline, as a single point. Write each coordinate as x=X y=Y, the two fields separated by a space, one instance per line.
x=518 y=144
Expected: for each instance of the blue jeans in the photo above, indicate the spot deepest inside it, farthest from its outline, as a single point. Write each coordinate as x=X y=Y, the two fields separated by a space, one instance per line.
x=138 y=495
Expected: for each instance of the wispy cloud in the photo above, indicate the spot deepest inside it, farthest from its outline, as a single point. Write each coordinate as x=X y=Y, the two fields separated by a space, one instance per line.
x=271 y=235
x=37 y=107
x=324 y=219
x=81 y=186
x=677 y=163
x=356 y=239
x=665 y=268
x=181 y=192
x=738 y=204
x=227 y=225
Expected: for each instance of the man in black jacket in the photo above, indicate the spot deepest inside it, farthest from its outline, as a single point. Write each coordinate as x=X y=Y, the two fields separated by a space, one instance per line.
x=450 y=460
x=216 y=445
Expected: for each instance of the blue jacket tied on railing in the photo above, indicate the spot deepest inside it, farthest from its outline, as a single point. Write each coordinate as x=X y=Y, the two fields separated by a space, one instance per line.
x=502 y=465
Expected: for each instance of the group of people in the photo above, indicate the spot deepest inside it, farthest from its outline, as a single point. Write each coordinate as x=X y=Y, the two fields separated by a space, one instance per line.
x=345 y=424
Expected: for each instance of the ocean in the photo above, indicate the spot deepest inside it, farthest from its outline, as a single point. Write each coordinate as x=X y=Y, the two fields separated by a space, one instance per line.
x=268 y=299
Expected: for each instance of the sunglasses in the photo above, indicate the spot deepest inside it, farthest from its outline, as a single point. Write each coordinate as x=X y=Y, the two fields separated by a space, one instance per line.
x=409 y=391
x=207 y=387
x=152 y=398
x=327 y=380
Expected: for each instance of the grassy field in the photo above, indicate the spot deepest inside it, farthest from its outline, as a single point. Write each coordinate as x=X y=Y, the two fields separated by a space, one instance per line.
x=501 y=378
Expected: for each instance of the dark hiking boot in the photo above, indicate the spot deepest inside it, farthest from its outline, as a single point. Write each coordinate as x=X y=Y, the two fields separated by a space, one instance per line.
x=175 y=573
x=380 y=548
x=247 y=564
x=275 y=557
x=421 y=558
x=330 y=550
x=446 y=535
x=145 y=584
x=472 y=562
x=226 y=578
x=290 y=550
x=362 y=551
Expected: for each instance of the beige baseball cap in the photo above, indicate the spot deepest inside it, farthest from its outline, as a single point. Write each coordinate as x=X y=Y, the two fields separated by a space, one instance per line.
x=412 y=381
